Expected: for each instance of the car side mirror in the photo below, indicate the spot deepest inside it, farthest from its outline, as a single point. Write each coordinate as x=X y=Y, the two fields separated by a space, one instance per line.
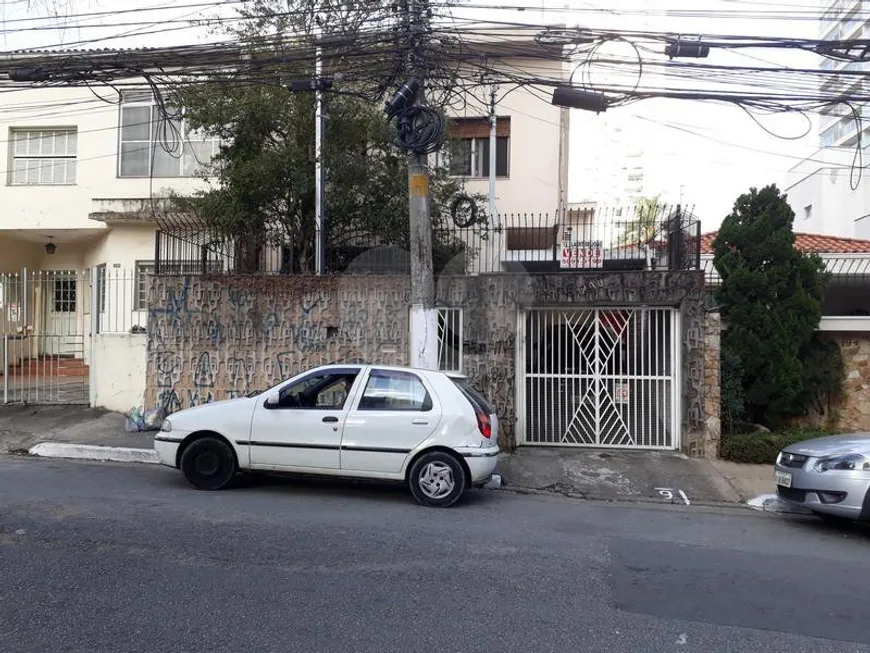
x=273 y=398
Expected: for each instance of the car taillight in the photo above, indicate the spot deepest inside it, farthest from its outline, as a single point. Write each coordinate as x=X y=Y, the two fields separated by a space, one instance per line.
x=483 y=423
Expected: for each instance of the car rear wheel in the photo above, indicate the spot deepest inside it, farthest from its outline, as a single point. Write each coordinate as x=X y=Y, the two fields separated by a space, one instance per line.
x=208 y=464
x=437 y=479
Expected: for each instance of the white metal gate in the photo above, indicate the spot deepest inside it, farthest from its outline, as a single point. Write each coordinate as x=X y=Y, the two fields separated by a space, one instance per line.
x=42 y=338
x=600 y=377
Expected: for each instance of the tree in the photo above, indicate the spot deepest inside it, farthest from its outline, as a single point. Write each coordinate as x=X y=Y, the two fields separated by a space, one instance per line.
x=642 y=228
x=770 y=298
x=261 y=185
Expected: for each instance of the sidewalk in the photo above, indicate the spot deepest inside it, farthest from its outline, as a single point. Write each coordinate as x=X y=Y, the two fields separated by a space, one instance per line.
x=610 y=475
x=24 y=427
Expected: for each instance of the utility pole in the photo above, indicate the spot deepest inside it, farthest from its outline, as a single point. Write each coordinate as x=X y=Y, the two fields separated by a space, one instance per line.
x=318 y=151
x=493 y=245
x=423 y=314
x=493 y=128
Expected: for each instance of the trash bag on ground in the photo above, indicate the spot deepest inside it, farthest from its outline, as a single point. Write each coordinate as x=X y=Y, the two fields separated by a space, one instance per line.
x=154 y=418
x=135 y=421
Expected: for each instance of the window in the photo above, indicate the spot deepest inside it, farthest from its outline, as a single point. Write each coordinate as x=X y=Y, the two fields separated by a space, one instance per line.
x=469 y=151
x=64 y=296
x=450 y=339
x=43 y=157
x=394 y=390
x=808 y=211
x=473 y=395
x=145 y=138
x=145 y=270
x=321 y=391
x=470 y=158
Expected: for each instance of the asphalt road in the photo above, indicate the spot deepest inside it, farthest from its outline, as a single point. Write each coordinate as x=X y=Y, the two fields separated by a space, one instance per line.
x=107 y=558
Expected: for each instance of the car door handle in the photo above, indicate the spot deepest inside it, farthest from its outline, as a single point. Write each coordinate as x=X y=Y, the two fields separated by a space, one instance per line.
x=330 y=418
x=421 y=422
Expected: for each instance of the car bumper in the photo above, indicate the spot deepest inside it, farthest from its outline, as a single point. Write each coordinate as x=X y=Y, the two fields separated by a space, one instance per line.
x=481 y=462
x=842 y=494
x=166 y=447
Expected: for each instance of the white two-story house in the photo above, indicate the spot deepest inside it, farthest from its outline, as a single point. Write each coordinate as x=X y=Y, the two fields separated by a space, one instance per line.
x=77 y=238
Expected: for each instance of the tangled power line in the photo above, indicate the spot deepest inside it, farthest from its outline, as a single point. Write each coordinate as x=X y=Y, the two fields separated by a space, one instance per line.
x=366 y=59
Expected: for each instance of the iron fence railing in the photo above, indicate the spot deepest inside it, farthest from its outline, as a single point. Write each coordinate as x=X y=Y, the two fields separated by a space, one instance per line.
x=635 y=238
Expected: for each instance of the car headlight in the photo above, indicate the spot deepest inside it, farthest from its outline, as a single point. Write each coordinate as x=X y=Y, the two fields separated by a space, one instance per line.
x=848 y=462
x=166 y=426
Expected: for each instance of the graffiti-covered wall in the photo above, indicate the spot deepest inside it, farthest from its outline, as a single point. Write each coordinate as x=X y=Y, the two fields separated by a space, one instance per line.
x=212 y=338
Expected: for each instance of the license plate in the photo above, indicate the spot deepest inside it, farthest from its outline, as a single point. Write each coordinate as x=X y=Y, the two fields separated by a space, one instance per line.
x=782 y=478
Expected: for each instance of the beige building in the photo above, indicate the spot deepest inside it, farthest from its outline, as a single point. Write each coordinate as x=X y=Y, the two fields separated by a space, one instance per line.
x=82 y=167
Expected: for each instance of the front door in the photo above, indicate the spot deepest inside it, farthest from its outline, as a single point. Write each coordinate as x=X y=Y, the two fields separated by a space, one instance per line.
x=60 y=291
x=395 y=412
x=304 y=429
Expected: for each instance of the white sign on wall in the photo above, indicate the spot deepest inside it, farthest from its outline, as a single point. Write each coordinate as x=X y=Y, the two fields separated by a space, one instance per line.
x=1 y=296
x=583 y=254
x=14 y=313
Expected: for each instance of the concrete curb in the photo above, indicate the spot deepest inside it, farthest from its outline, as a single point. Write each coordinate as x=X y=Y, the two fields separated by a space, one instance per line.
x=94 y=452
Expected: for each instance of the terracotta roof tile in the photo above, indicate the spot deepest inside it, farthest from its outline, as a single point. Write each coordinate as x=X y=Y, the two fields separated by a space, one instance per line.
x=815 y=243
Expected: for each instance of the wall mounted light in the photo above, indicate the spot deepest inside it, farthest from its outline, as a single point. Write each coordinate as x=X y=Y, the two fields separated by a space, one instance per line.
x=50 y=248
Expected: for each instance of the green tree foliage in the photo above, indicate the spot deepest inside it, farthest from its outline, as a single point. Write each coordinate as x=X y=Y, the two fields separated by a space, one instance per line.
x=647 y=217
x=770 y=298
x=261 y=186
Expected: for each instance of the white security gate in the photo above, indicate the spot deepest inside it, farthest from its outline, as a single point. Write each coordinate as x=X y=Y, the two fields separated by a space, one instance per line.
x=600 y=377
x=42 y=338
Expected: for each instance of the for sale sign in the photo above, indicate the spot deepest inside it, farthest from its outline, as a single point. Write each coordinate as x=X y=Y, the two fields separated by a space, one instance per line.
x=583 y=254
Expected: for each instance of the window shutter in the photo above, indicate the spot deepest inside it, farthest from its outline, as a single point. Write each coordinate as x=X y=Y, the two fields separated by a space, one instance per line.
x=478 y=127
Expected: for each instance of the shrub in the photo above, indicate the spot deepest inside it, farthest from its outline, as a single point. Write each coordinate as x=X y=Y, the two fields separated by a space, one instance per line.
x=762 y=448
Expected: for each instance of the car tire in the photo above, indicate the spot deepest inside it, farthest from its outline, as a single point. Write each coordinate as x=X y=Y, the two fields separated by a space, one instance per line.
x=208 y=464
x=437 y=479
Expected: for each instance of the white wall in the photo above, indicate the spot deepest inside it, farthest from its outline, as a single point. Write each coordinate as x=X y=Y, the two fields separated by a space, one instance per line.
x=824 y=185
x=48 y=207
x=534 y=182
x=118 y=371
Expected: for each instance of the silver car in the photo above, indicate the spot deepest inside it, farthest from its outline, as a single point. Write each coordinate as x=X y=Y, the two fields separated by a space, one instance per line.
x=829 y=476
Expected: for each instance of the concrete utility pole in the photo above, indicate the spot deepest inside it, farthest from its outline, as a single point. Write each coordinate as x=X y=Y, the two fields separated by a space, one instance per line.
x=423 y=315
x=493 y=244
x=493 y=128
x=318 y=151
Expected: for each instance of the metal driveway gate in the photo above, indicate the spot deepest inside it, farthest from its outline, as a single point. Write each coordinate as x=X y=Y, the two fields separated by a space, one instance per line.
x=42 y=338
x=600 y=377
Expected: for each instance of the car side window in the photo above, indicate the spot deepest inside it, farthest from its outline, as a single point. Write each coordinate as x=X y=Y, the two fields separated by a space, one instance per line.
x=395 y=390
x=326 y=391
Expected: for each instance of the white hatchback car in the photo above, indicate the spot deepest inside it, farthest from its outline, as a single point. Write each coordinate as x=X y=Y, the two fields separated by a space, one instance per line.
x=431 y=430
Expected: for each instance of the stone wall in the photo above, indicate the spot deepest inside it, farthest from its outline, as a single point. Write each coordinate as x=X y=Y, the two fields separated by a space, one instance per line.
x=705 y=444
x=212 y=338
x=851 y=412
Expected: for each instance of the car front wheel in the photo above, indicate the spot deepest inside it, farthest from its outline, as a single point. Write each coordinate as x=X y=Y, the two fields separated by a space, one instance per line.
x=437 y=479
x=208 y=464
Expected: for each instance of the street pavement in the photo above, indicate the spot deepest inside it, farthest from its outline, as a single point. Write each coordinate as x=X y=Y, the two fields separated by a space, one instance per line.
x=101 y=557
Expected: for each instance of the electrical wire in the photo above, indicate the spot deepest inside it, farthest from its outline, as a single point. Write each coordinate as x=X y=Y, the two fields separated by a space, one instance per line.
x=372 y=61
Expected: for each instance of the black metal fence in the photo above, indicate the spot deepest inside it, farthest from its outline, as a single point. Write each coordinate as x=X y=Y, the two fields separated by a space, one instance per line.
x=636 y=238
